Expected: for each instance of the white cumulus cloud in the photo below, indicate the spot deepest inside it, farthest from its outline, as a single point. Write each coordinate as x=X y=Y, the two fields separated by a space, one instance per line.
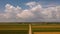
x=36 y=12
x=25 y=14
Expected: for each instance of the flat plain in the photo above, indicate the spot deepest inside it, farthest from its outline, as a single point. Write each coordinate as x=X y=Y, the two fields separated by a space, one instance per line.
x=24 y=28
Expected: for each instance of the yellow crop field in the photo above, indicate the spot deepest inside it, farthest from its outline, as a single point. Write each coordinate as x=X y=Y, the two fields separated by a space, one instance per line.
x=46 y=32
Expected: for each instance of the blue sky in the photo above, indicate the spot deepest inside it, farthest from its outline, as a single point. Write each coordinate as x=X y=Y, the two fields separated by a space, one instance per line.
x=22 y=2
x=41 y=5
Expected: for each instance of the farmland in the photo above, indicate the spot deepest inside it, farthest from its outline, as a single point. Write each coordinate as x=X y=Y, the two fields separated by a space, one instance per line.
x=46 y=32
x=24 y=28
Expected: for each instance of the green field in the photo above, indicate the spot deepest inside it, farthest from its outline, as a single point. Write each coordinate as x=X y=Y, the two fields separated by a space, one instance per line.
x=13 y=32
x=13 y=28
x=24 y=28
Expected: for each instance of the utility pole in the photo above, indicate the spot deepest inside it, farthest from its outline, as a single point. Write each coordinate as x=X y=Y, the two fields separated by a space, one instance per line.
x=30 y=28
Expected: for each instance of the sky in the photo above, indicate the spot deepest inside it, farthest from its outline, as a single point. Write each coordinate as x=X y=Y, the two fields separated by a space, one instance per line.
x=29 y=10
